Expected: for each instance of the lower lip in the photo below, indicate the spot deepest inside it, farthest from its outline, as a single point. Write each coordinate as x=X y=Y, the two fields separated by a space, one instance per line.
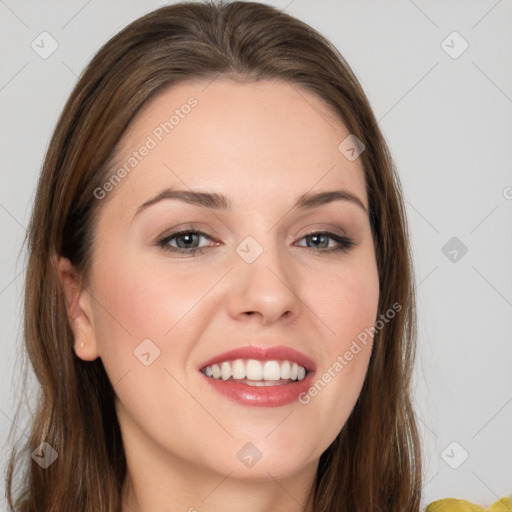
x=261 y=396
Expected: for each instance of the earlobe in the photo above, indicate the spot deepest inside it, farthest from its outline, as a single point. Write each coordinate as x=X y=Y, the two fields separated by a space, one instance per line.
x=80 y=315
x=86 y=350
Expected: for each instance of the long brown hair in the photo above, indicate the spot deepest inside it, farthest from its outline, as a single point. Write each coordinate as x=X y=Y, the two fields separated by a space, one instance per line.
x=374 y=463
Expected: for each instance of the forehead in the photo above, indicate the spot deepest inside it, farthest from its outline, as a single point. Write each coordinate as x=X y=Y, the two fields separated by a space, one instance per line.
x=265 y=140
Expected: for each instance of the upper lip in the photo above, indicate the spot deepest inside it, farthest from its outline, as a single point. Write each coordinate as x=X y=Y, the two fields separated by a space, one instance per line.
x=263 y=353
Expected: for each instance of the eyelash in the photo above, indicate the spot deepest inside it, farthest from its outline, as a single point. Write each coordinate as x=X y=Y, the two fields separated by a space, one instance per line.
x=345 y=242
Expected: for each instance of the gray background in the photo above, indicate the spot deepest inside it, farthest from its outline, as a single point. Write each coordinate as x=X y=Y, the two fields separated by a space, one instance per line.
x=449 y=126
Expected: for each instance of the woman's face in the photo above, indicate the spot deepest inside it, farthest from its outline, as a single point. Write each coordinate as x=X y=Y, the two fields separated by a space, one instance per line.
x=159 y=307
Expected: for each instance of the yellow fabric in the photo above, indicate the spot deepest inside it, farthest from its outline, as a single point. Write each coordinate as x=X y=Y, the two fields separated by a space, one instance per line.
x=455 y=505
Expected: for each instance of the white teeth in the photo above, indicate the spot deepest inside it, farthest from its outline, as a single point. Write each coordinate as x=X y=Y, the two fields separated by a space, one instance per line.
x=226 y=371
x=216 y=371
x=238 y=367
x=256 y=371
x=271 y=370
x=285 y=370
x=293 y=372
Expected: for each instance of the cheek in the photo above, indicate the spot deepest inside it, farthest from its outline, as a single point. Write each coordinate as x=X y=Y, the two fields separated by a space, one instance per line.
x=134 y=302
x=147 y=299
x=345 y=299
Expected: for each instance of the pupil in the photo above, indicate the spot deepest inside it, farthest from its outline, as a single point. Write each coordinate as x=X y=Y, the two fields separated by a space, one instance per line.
x=188 y=237
x=316 y=238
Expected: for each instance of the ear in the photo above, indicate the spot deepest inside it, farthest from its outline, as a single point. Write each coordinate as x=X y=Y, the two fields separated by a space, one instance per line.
x=80 y=313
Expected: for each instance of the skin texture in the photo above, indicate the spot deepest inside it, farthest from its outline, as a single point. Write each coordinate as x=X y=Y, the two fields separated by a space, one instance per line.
x=262 y=145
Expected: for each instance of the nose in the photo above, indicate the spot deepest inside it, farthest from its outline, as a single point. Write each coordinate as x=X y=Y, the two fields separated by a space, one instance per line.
x=266 y=289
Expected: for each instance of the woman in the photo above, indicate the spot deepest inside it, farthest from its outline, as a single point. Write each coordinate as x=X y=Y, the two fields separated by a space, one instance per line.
x=219 y=300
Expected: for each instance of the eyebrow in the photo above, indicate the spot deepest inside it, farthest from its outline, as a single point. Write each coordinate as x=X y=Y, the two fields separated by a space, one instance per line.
x=220 y=202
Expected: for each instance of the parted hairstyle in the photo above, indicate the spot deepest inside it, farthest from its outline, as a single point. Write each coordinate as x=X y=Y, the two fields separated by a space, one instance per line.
x=373 y=465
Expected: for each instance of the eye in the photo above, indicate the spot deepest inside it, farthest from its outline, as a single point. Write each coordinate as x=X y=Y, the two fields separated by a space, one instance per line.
x=321 y=241
x=184 y=241
x=187 y=241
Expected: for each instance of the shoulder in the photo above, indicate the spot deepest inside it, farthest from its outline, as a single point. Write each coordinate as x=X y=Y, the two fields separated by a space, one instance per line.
x=457 y=505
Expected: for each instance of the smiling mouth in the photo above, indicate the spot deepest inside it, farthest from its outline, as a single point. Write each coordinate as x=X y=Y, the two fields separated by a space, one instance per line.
x=253 y=372
x=259 y=382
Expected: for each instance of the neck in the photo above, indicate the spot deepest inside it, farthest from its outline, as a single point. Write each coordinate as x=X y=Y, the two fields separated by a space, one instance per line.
x=171 y=484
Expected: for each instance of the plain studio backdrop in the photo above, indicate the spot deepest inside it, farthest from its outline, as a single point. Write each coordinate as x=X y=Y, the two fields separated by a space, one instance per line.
x=438 y=77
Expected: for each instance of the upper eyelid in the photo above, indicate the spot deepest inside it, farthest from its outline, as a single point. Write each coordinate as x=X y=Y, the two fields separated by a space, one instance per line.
x=184 y=231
